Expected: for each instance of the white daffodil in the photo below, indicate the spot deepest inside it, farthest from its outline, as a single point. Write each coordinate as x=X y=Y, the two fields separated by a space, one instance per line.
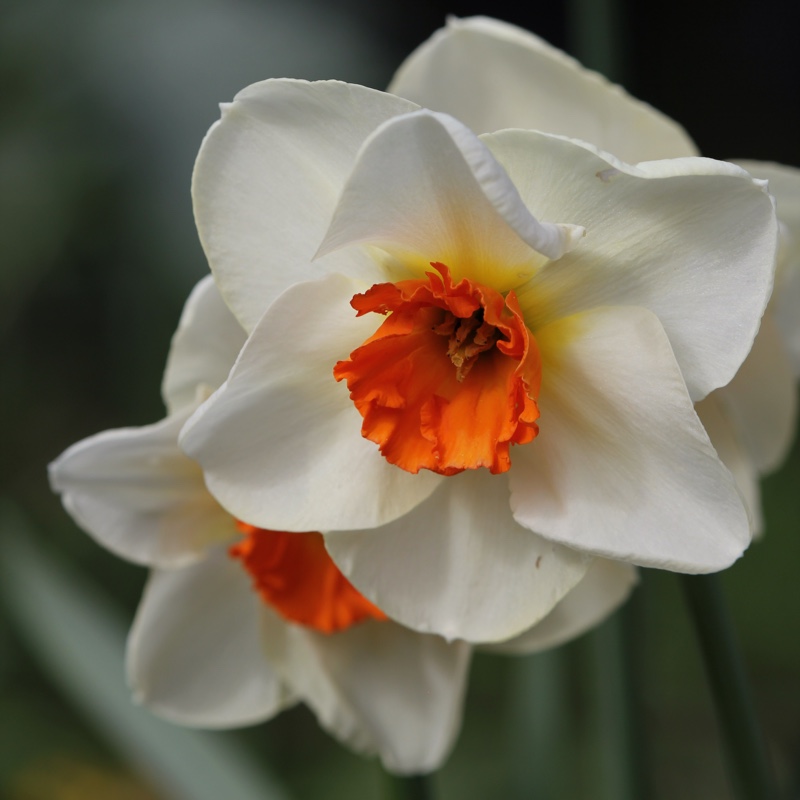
x=472 y=361
x=231 y=630
x=493 y=75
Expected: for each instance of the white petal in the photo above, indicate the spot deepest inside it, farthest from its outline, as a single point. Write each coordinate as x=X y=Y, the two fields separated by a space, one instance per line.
x=458 y=565
x=378 y=687
x=267 y=179
x=492 y=75
x=604 y=588
x=196 y=652
x=203 y=348
x=622 y=467
x=725 y=436
x=138 y=495
x=784 y=185
x=424 y=188
x=761 y=400
x=691 y=239
x=281 y=443
x=785 y=305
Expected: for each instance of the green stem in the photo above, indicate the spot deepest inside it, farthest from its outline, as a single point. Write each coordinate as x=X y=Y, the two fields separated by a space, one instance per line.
x=597 y=35
x=616 y=697
x=410 y=787
x=540 y=745
x=748 y=763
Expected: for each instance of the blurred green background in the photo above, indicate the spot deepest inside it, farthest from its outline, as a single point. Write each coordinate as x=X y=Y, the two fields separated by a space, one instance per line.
x=104 y=107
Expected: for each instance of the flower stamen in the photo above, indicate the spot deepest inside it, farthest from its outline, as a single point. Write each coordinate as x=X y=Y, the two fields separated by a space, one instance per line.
x=468 y=338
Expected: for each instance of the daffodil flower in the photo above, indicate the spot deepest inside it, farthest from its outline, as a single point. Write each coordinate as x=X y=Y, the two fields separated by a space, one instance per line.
x=472 y=361
x=492 y=75
x=236 y=622
x=233 y=628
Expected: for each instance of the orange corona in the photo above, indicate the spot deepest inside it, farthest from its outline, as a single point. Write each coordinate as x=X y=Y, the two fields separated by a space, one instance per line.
x=450 y=379
x=294 y=574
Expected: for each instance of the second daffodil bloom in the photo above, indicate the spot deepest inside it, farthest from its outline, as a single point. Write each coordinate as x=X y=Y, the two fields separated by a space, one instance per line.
x=237 y=623
x=473 y=360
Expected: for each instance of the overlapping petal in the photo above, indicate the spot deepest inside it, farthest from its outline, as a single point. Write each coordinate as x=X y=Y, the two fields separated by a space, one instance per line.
x=762 y=399
x=459 y=565
x=196 y=649
x=492 y=75
x=267 y=180
x=279 y=443
x=724 y=435
x=693 y=240
x=784 y=184
x=138 y=495
x=622 y=467
x=378 y=687
x=786 y=317
x=203 y=350
x=133 y=489
x=426 y=189
x=602 y=590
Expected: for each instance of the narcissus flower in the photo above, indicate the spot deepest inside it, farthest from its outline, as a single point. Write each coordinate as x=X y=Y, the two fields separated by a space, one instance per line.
x=237 y=622
x=472 y=360
x=492 y=75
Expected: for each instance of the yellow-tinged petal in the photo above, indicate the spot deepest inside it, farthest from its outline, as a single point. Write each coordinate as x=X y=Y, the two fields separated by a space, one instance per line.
x=425 y=189
x=622 y=467
x=692 y=239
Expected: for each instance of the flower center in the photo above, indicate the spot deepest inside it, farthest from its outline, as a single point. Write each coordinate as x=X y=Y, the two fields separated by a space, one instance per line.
x=294 y=574
x=467 y=339
x=450 y=378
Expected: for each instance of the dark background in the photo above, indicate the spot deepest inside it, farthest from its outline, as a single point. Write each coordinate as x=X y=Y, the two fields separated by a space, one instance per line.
x=104 y=105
